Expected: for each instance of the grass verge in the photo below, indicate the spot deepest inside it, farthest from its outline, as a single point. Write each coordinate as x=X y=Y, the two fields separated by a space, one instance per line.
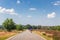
x=5 y=35
x=44 y=36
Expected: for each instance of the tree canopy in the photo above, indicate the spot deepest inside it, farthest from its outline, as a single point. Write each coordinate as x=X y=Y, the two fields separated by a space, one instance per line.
x=9 y=24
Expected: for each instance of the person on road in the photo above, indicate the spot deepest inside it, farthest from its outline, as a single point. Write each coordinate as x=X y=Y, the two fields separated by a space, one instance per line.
x=30 y=28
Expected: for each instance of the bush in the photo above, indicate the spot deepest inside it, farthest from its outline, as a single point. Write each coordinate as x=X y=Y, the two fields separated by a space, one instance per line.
x=43 y=33
x=19 y=27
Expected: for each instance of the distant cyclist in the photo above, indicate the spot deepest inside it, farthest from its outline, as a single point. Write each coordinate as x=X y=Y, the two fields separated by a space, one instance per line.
x=30 y=28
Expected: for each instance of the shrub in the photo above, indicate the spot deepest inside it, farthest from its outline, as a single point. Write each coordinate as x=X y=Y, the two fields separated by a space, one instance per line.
x=43 y=33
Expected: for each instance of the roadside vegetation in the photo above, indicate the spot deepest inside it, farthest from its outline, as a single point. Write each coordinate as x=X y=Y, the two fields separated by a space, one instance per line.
x=5 y=35
x=48 y=34
x=10 y=28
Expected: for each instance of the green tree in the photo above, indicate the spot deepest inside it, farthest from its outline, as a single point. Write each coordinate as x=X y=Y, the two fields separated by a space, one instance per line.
x=19 y=27
x=9 y=24
x=27 y=26
x=34 y=27
x=39 y=27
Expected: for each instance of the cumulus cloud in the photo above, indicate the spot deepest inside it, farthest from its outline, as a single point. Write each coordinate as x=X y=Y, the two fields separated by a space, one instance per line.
x=18 y=2
x=7 y=11
x=32 y=9
x=51 y=15
x=56 y=3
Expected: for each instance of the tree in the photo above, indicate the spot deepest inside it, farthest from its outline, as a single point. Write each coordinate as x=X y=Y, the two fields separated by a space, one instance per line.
x=34 y=27
x=57 y=28
x=9 y=24
x=19 y=27
x=39 y=27
x=27 y=26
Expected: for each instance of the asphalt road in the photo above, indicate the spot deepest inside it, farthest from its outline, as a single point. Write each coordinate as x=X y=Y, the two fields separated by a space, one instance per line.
x=26 y=35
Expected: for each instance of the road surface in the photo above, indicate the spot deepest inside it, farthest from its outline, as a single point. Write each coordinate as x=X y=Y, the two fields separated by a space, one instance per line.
x=26 y=35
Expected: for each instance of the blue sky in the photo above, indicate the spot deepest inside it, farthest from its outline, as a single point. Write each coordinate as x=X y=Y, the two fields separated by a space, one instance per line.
x=34 y=12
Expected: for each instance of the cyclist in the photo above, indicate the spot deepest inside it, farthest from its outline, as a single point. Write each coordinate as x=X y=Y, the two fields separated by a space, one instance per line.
x=30 y=28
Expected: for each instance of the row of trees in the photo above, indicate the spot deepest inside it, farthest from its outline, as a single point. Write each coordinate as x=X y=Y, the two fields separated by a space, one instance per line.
x=9 y=25
x=54 y=28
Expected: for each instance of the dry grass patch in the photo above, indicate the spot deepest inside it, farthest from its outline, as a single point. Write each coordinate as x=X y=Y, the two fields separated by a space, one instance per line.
x=43 y=35
x=5 y=35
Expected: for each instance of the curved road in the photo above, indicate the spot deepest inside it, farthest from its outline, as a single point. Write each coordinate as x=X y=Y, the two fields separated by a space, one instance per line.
x=26 y=35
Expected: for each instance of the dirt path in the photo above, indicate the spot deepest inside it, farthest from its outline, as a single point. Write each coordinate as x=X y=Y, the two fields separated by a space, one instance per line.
x=26 y=35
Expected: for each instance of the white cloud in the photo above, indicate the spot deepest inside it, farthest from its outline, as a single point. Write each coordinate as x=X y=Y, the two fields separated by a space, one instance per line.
x=29 y=16
x=56 y=3
x=32 y=9
x=52 y=15
x=8 y=11
x=18 y=2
